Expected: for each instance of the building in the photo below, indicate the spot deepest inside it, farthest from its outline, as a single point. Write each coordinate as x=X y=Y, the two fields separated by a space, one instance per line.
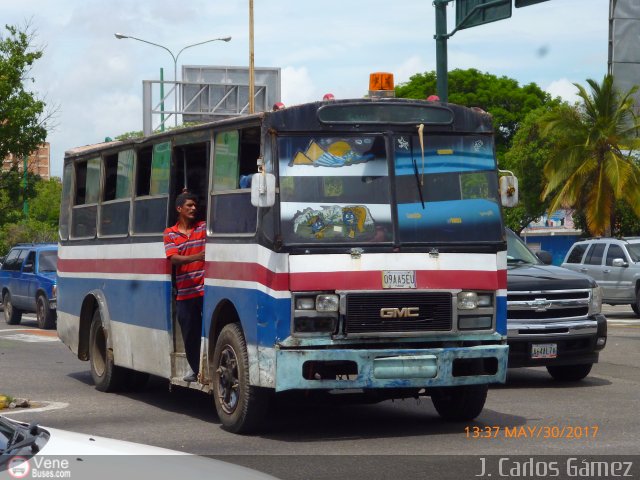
x=554 y=234
x=39 y=162
x=624 y=54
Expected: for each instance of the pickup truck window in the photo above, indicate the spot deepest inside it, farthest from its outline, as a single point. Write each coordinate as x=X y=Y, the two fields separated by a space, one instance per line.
x=595 y=253
x=48 y=261
x=634 y=251
x=615 y=251
x=575 y=256
x=11 y=262
x=29 y=263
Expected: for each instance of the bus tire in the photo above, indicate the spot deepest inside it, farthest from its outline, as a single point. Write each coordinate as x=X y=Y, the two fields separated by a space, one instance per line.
x=45 y=316
x=460 y=404
x=241 y=407
x=107 y=377
x=12 y=315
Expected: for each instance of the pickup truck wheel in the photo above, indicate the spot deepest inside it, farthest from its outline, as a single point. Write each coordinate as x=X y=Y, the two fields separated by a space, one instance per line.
x=636 y=306
x=240 y=406
x=45 y=316
x=460 y=404
x=106 y=376
x=12 y=315
x=569 y=373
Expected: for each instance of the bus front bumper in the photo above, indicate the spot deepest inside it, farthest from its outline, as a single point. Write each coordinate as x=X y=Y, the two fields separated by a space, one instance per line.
x=390 y=368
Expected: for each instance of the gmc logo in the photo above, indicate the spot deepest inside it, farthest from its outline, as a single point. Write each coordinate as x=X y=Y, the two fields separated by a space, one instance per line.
x=400 y=312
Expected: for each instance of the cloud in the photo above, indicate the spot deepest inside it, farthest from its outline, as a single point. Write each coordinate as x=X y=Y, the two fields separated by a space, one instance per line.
x=408 y=68
x=297 y=86
x=563 y=88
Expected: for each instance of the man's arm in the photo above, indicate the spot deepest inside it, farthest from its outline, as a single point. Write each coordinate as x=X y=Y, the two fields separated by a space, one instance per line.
x=184 y=259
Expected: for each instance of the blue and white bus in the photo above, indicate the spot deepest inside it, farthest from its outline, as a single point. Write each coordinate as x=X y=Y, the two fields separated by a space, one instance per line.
x=352 y=245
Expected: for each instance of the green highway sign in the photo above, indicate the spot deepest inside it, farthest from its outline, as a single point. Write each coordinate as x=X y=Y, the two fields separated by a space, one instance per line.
x=526 y=3
x=471 y=13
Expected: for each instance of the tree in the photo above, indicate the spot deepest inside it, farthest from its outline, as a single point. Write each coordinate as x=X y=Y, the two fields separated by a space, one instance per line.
x=591 y=165
x=506 y=101
x=45 y=206
x=526 y=158
x=22 y=115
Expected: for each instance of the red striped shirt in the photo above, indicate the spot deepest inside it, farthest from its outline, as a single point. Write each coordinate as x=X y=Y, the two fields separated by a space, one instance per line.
x=189 y=276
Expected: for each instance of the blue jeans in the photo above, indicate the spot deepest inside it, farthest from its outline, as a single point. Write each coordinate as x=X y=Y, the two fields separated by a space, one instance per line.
x=190 y=318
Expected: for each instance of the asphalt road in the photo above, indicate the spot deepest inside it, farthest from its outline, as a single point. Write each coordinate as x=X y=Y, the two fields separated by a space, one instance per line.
x=401 y=439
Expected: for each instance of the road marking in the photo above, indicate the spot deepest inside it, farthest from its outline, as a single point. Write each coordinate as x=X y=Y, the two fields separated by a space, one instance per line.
x=48 y=406
x=30 y=335
x=623 y=322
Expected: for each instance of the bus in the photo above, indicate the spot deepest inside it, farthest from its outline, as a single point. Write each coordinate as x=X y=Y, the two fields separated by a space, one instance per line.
x=353 y=247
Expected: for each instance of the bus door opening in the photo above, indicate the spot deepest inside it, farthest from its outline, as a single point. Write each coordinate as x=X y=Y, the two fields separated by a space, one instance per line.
x=190 y=173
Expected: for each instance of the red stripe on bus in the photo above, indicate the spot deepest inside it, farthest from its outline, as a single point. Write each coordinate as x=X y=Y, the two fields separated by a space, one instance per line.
x=425 y=279
x=248 y=272
x=367 y=280
x=151 y=266
x=253 y=272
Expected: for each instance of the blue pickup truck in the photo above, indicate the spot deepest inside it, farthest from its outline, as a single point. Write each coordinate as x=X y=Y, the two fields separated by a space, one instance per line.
x=28 y=283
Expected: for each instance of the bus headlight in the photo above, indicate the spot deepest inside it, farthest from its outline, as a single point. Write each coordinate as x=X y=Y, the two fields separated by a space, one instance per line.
x=467 y=300
x=315 y=313
x=595 y=303
x=305 y=303
x=327 y=303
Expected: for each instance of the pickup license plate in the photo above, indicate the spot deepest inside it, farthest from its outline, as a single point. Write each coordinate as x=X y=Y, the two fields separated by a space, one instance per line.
x=399 y=279
x=544 y=350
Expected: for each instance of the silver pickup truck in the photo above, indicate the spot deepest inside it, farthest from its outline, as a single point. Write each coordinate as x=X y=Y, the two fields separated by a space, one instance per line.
x=554 y=315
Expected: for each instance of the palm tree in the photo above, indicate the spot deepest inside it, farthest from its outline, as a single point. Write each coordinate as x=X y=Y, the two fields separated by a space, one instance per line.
x=592 y=164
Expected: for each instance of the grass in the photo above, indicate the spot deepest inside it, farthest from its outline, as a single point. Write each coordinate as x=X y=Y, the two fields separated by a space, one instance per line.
x=5 y=400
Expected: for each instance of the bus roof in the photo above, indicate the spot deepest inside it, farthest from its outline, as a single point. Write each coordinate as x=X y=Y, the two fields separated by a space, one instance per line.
x=464 y=119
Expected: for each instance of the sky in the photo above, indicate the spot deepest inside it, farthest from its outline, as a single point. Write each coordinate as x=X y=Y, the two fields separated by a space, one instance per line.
x=94 y=81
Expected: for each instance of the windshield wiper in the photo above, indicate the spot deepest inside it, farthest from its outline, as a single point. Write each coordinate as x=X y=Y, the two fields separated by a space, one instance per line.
x=417 y=174
x=30 y=435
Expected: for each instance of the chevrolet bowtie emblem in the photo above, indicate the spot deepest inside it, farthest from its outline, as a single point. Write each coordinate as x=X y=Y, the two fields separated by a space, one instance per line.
x=539 y=304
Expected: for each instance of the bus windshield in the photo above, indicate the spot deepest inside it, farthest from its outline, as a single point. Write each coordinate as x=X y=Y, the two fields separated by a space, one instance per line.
x=334 y=189
x=337 y=189
x=450 y=194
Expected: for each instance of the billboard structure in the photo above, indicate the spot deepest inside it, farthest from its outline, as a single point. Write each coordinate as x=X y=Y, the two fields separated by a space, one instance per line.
x=624 y=38
x=210 y=93
x=207 y=93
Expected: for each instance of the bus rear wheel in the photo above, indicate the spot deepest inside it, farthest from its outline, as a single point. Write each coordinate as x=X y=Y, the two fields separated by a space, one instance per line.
x=460 y=404
x=107 y=377
x=240 y=406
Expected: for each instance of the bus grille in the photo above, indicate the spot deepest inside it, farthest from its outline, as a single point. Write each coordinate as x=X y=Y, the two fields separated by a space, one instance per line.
x=364 y=312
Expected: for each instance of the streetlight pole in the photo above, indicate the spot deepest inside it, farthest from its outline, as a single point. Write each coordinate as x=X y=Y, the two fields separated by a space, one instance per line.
x=120 y=36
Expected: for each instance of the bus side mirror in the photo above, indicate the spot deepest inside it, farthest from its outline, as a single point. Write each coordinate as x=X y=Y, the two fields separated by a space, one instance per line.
x=509 y=190
x=263 y=189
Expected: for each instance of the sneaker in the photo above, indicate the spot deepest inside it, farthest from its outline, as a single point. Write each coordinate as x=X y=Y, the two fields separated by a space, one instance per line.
x=190 y=377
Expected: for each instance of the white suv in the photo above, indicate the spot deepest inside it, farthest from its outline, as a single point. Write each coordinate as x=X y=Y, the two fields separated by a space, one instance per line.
x=614 y=264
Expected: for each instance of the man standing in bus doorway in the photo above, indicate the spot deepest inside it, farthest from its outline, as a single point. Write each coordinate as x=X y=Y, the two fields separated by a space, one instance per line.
x=184 y=245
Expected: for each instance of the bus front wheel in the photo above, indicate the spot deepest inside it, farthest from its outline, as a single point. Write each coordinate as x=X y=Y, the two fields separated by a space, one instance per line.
x=240 y=406
x=461 y=403
x=106 y=376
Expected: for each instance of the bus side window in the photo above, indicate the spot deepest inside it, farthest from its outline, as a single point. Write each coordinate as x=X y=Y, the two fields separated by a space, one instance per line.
x=116 y=197
x=85 y=209
x=152 y=189
x=235 y=160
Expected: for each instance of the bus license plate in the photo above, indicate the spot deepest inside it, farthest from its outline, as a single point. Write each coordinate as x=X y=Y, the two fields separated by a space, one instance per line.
x=399 y=279
x=544 y=350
